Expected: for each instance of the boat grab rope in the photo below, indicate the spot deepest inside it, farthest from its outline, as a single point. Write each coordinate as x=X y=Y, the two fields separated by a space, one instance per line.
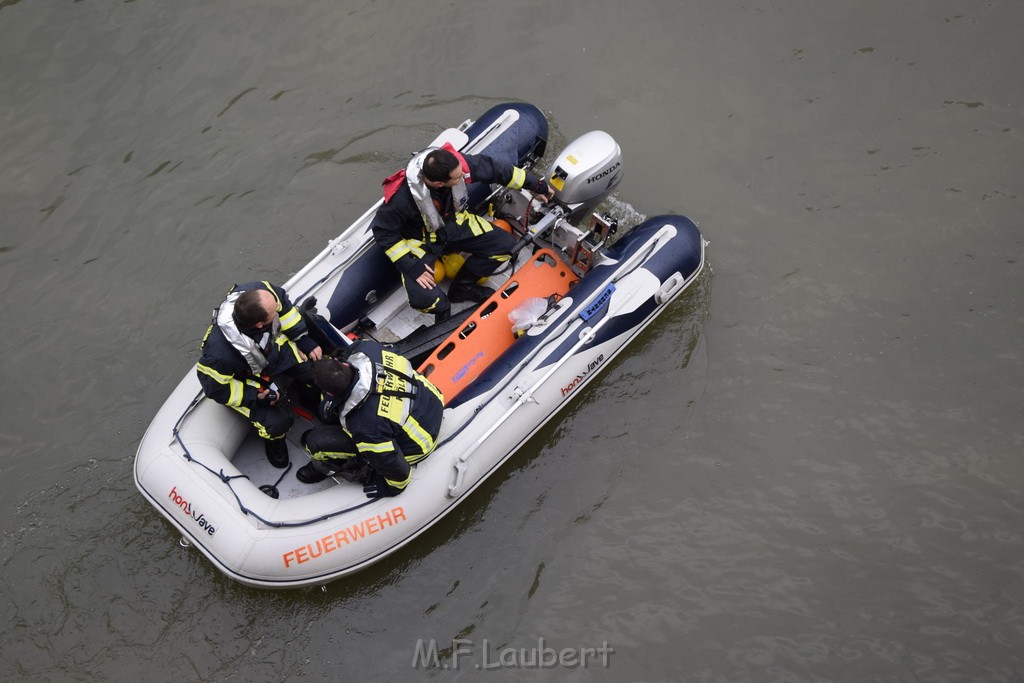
x=266 y=488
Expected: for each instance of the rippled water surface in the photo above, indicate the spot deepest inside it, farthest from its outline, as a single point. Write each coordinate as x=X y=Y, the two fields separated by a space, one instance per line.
x=809 y=468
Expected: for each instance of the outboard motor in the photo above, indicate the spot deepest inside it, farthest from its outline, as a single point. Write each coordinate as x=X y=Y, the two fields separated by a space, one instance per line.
x=586 y=172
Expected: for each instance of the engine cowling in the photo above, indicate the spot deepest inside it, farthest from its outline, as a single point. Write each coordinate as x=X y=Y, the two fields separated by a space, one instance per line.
x=587 y=170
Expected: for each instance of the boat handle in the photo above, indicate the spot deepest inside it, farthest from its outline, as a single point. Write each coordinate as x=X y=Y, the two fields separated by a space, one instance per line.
x=460 y=475
x=670 y=288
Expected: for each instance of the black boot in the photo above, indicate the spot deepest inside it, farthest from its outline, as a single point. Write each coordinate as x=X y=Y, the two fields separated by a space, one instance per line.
x=277 y=452
x=467 y=290
x=310 y=474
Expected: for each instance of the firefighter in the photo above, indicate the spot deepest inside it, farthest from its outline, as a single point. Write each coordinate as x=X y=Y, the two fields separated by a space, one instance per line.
x=257 y=335
x=426 y=214
x=380 y=416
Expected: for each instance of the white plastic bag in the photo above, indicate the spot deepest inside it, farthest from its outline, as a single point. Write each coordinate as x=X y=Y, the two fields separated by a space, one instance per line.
x=526 y=314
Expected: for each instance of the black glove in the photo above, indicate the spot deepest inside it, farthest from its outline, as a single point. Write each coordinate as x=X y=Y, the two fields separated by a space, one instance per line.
x=541 y=187
x=377 y=487
x=269 y=399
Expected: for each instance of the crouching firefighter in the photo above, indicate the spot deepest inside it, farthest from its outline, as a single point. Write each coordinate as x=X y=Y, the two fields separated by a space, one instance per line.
x=258 y=338
x=380 y=416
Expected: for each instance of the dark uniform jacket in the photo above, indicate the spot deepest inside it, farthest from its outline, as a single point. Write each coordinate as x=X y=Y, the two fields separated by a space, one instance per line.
x=224 y=372
x=390 y=428
x=398 y=227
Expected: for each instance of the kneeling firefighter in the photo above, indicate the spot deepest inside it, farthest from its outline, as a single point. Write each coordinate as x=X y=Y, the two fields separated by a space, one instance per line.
x=380 y=416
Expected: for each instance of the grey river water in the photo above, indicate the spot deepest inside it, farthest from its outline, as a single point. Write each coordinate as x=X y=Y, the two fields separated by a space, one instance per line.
x=809 y=468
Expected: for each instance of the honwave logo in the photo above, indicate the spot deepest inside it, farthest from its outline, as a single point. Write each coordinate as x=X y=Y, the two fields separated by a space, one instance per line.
x=190 y=511
x=602 y=174
x=578 y=380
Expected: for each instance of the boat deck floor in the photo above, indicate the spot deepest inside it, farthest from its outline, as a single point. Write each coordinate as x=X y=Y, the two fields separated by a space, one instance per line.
x=251 y=460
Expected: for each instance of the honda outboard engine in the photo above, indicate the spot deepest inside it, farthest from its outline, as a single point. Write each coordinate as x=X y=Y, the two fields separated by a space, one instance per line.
x=586 y=172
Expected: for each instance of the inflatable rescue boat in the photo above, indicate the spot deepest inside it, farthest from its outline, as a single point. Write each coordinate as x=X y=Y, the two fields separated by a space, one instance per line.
x=572 y=297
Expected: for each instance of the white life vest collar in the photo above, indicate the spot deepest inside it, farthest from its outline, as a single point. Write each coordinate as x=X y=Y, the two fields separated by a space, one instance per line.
x=254 y=353
x=421 y=192
x=364 y=376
